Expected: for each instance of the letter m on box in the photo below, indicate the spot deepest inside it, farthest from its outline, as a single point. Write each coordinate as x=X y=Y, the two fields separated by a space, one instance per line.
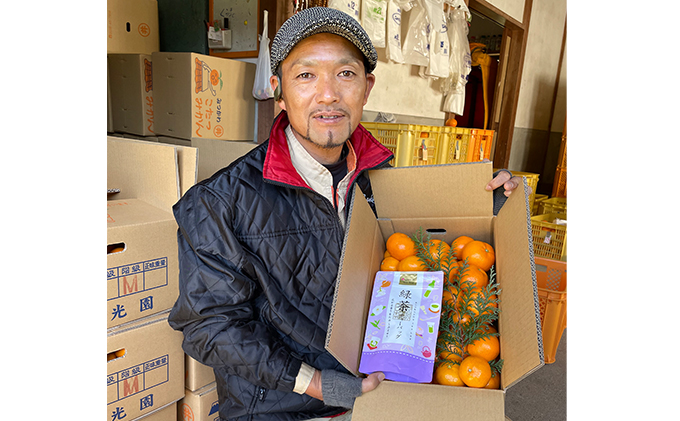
x=130 y=386
x=130 y=286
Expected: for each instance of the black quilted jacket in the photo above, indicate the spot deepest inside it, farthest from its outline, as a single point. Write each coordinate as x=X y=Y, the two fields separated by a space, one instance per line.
x=258 y=262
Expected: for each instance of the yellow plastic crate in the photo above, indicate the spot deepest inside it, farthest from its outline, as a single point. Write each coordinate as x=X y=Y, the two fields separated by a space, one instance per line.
x=455 y=145
x=480 y=144
x=412 y=144
x=538 y=198
x=554 y=205
x=551 y=279
x=549 y=238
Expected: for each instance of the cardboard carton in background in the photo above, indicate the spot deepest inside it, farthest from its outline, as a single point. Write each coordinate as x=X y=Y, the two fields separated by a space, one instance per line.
x=197 y=375
x=216 y=154
x=135 y=137
x=174 y=141
x=143 y=278
x=131 y=85
x=167 y=413
x=154 y=172
x=109 y=113
x=410 y=198
x=200 y=405
x=132 y=26
x=150 y=372
x=143 y=170
x=203 y=96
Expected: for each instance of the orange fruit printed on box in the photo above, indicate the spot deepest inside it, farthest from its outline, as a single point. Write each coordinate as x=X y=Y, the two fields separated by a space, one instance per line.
x=219 y=107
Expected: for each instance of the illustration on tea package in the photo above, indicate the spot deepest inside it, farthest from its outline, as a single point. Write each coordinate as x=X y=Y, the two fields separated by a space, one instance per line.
x=377 y=310
x=402 y=325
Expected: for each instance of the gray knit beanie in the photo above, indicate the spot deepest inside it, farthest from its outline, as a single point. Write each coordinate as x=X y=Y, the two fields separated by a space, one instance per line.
x=315 y=20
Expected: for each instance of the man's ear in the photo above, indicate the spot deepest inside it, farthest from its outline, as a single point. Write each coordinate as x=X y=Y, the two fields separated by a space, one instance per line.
x=276 y=87
x=370 y=82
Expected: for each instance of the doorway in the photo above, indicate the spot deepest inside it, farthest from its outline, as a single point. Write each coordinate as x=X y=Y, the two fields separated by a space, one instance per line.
x=489 y=21
x=485 y=37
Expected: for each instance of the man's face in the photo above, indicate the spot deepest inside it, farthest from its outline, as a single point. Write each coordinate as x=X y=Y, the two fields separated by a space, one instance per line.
x=323 y=89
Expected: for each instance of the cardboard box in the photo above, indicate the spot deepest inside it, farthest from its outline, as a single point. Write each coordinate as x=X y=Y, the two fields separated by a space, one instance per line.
x=136 y=137
x=409 y=198
x=131 y=85
x=149 y=373
x=201 y=405
x=216 y=154
x=143 y=278
x=175 y=141
x=196 y=374
x=166 y=413
x=203 y=96
x=157 y=173
x=109 y=112
x=132 y=26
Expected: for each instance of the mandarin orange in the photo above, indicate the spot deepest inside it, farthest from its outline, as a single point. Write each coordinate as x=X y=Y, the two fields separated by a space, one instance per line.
x=479 y=253
x=474 y=371
x=400 y=246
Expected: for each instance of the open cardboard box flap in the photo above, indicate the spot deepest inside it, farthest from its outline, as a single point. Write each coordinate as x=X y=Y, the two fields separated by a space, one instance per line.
x=522 y=351
x=405 y=203
x=433 y=191
x=156 y=173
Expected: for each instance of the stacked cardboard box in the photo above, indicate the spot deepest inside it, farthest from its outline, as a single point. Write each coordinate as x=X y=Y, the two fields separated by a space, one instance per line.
x=199 y=405
x=199 y=96
x=145 y=361
x=132 y=36
x=132 y=26
x=131 y=93
x=163 y=109
x=180 y=96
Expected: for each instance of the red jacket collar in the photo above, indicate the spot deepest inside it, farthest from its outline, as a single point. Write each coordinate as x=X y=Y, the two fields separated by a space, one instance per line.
x=278 y=166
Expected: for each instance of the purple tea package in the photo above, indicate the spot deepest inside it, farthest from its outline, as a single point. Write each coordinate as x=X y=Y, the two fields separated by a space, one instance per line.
x=402 y=326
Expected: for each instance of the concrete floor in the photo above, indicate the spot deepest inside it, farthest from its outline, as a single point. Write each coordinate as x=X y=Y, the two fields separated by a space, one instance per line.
x=542 y=396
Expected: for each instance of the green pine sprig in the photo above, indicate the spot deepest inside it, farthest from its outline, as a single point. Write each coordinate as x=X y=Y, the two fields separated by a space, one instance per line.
x=465 y=300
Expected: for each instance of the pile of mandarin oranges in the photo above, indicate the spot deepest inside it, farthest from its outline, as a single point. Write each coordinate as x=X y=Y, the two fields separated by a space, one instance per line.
x=468 y=346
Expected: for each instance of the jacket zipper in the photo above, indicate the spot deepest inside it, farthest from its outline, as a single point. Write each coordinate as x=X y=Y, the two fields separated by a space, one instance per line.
x=261 y=393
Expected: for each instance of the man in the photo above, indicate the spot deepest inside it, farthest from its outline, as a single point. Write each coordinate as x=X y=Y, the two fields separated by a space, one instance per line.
x=260 y=242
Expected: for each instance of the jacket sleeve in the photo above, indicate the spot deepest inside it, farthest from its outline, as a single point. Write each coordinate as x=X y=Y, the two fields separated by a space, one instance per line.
x=216 y=308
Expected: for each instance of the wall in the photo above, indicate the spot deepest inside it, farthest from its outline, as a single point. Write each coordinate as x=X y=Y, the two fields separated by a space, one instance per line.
x=400 y=90
x=513 y=8
x=538 y=125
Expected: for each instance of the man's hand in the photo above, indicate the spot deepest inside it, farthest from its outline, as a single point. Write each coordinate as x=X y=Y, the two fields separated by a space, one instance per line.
x=372 y=381
x=504 y=179
x=343 y=388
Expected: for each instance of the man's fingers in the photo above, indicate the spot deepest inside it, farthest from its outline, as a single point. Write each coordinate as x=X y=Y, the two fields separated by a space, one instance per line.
x=498 y=180
x=511 y=185
x=372 y=381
